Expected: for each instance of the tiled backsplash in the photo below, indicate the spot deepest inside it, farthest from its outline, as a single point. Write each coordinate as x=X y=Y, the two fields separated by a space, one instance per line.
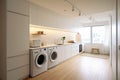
x=52 y=36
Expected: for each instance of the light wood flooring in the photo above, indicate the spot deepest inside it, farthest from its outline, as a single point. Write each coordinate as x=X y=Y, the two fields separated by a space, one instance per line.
x=79 y=67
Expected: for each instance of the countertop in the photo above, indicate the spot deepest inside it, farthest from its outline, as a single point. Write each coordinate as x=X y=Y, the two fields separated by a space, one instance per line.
x=54 y=45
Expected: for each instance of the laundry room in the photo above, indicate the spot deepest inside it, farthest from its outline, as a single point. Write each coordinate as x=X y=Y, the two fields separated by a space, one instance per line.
x=59 y=40
x=48 y=29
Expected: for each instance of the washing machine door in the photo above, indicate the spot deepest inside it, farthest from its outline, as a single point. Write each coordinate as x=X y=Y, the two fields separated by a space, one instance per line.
x=53 y=56
x=41 y=60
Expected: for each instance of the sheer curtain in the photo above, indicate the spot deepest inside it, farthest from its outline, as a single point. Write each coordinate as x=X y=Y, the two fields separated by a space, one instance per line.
x=96 y=36
x=107 y=40
x=101 y=37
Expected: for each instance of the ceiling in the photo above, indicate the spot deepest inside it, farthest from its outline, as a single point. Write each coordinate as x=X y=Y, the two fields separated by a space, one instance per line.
x=85 y=6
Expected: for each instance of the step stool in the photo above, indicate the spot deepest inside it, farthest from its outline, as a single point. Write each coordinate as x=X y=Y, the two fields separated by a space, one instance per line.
x=95 y=50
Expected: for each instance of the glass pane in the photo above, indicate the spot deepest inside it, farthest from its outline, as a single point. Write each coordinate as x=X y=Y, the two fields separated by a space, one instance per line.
x=85 y=35
x=41 y=59
x=98 y=34
x=54 y=55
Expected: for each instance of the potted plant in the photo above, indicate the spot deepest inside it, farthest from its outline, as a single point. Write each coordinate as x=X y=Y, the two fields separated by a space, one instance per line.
x=63 y=38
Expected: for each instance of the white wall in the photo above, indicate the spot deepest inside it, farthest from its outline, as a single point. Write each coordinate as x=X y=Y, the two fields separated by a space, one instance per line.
x=44 y=17
x=101 y=47
x=52 y=35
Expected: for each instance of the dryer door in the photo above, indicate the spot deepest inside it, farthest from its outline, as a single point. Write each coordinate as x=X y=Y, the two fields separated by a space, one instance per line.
x=53 y=56
x=40 y=60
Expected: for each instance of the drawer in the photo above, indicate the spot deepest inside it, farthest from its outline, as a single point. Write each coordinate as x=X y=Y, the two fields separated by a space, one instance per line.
x=18 y=61
x=18 y=74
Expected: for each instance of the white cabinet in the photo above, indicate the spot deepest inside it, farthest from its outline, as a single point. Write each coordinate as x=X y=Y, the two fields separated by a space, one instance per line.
x=15 y=39
x=61 y=54
x=75 y=49
x=18 y=74
x=17 y=34
x=16 y=62
x=18 y=6
x=17 y=46
x=67 y=51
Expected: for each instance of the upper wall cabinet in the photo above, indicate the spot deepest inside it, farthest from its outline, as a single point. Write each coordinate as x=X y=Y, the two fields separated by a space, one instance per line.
x=18 y=6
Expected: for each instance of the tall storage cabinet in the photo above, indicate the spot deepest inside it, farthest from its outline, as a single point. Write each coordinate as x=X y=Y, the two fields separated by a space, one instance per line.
x=17 y=39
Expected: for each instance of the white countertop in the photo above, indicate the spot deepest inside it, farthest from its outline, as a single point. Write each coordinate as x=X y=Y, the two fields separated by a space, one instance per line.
x=54 y=45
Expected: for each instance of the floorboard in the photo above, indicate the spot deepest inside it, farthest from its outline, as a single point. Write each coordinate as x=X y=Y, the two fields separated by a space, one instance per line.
x=80 y=67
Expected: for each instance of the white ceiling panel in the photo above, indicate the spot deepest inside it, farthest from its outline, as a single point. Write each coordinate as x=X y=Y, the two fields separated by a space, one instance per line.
x=86 y=7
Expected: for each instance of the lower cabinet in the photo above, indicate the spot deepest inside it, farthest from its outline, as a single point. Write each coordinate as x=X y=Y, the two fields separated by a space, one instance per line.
x=18 y=67
x=61 y=54
x=18 y=74
x=67 y=51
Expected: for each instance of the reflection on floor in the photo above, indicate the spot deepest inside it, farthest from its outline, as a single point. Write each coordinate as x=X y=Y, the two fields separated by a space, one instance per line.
x=80 y=67
x=104 y=56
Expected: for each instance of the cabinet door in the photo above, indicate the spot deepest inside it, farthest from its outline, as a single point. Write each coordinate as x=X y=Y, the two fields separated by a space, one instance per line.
x=76 y=49
x=64 y=54
x=18 y=74
x=18 y=6
x=72 y=50
x=68 y=51
x=60 y=52
x=17 y=62
x=17 y=34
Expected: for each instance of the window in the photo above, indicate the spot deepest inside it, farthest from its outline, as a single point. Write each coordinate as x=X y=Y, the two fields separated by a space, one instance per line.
x=94 y=34
x=98 y=34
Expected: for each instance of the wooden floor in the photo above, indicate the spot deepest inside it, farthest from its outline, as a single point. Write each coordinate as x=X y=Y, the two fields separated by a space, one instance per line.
x=79 y=68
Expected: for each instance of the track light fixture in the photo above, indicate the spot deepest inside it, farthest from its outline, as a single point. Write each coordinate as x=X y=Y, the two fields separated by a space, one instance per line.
x=74 y=7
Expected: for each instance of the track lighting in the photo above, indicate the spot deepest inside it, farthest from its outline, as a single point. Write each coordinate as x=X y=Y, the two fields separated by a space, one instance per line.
x=74 y=7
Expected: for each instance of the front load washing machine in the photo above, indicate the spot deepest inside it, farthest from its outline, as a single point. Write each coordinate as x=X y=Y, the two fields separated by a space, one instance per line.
x=52 y=57
x=38 y=61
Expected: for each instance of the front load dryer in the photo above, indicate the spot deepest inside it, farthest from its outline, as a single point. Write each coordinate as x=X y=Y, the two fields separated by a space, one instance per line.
x=52 y=57
x=38 y=61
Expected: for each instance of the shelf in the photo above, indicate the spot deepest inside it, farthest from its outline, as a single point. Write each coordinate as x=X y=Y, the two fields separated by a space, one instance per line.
x=39 y=33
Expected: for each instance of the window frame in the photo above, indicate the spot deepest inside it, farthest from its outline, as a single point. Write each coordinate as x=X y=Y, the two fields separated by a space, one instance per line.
x=91 y=34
